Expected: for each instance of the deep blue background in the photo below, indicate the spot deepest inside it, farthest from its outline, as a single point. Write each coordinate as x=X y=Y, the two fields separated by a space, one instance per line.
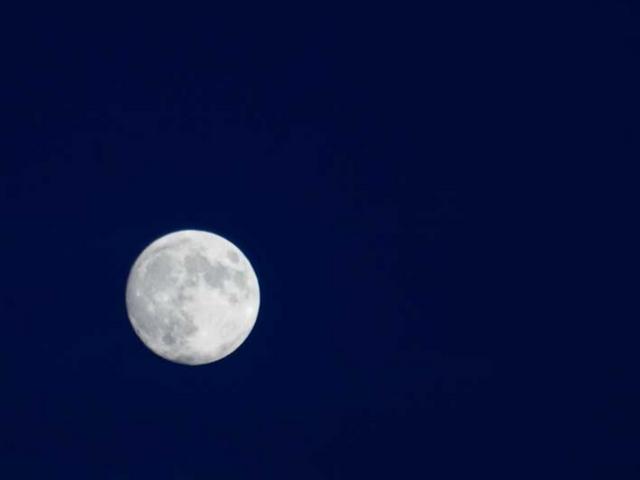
x=399 y=180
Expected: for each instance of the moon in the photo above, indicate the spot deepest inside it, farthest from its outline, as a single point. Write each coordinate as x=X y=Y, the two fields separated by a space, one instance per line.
x=192 y=297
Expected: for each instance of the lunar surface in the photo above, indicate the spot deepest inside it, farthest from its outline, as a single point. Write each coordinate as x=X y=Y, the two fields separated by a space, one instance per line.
x=192 y=297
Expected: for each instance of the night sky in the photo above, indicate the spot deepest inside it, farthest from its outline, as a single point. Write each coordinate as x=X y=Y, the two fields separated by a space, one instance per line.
x=398 y=180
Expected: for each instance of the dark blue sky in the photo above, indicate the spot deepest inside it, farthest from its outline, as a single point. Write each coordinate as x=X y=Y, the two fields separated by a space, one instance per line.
x=397 y=179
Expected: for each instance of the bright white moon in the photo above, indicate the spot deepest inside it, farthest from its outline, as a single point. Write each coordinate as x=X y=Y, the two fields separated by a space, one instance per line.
x=192 y=297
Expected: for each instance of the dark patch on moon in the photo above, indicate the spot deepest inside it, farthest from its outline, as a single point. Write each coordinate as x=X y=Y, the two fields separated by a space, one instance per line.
x=196 y=263
x=233 y=256
x=214 y=274
x=240 y=279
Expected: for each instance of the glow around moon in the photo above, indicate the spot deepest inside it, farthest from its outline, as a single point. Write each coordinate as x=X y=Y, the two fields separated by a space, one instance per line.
x=192 y=297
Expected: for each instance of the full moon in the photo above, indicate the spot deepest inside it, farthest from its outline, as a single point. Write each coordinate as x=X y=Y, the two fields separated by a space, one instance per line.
x=192 y=297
